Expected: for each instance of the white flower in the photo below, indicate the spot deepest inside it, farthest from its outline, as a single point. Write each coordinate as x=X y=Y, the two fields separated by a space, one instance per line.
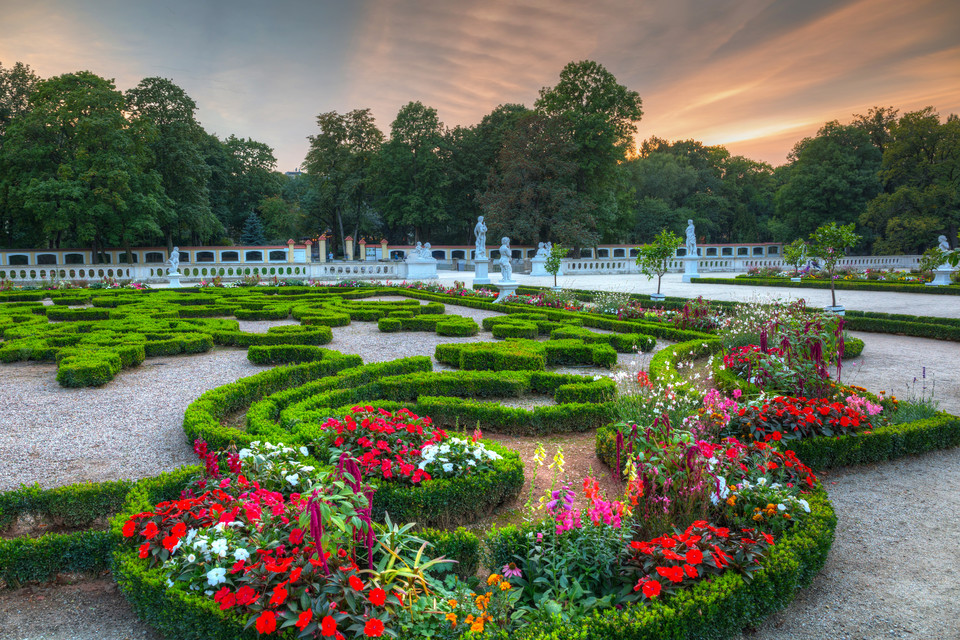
x=244 y=453
x=803 y=503
x=448 y=467
x=192 y=558
x=216 y=576
x=303 y=450
x=781 y=507
x=471 y=463
x=219 y=547
x=191 y=534
x=169 y=582
x=241 y=554
x=294 y=479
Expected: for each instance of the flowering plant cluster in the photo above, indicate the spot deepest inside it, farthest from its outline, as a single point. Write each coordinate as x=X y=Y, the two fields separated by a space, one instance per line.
x=670 y=562
x=550 y=299
x=770 y=506
x=387 y=445
x=789 y=418
x=281 y=559
x=456 y=457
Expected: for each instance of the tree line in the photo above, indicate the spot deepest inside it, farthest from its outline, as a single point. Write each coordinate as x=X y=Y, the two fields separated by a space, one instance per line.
x=85 y=164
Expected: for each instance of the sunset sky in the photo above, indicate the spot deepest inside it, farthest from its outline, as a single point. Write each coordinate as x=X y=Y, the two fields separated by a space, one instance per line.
x=754 y=75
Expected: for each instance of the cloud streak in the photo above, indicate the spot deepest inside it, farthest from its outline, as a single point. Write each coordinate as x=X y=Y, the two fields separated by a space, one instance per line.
x=756 y=75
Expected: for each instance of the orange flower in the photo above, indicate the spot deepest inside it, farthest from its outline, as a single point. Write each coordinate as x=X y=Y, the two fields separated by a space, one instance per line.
x=452 y=619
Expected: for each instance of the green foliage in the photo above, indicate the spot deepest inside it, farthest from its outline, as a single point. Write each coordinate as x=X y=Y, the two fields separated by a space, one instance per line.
x=654 y=258
x=253 y=231
x=884 y=443
x=830 y=243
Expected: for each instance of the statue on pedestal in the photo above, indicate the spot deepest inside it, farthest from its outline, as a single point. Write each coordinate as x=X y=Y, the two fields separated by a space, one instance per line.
x=506 y=269
x=691 y=239
x=174 y=261
x=481 y=232
x=944 y=243
x=542 y=251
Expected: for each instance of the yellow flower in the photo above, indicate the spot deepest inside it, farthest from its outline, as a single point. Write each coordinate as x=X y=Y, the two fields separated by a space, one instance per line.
x=452 y=603
x=504 y=585
x=452 y=618
x=758 y=517
x=732 y=500
x=477 y=625
x=493 y=579
x=469 y=619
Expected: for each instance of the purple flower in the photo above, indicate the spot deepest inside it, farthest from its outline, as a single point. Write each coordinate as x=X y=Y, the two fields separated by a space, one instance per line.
x=511 y=570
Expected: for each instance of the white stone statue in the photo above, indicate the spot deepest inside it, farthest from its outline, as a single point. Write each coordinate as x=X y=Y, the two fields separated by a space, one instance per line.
x=944 y=243
x=691 y=239
x=481 y=232
x=506 y=269
x=421 y=253
x=174 y=261
x=542 y=251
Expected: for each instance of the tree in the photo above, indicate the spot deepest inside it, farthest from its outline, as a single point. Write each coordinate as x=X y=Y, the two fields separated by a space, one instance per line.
x=831 y=177
x=921 y=178
x=878 y=123
x=185 y=215
x=253 y=232
x=412 y=182
x=533 y=193
x=555 y=260
x=654 y=258
x=341 y=164
x=79 y=169
x=602 y=115
x=795 y=254
x=830 y=243
x=16 y=85
x=243 y=173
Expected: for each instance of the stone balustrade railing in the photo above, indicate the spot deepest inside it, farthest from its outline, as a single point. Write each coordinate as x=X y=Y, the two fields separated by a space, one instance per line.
x=379 y=270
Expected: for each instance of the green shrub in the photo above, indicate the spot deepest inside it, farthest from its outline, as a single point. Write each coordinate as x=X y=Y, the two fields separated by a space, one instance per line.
x=852 y=347
x=462 y=327
x=389 y=325
x=285 y=353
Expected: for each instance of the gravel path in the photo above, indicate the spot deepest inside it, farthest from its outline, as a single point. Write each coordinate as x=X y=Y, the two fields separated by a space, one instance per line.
x=889 y=574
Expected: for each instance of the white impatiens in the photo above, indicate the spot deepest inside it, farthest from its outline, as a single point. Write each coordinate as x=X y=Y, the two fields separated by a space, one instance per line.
x=456 y=457
x=216 y=576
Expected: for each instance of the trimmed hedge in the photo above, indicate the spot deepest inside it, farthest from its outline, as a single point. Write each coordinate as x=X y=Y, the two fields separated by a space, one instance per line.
x=885 y=443
x=623 y=343
x=852 y=347
x=285 y=353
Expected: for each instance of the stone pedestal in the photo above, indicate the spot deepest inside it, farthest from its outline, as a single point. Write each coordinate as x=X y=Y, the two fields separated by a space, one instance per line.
x=796 y=279
x=174 y=280
x=507 y=289
x=422 y=269
x=690 y=264
x=941 y=276
x=481 y=271
x=657 y=297
x=838 y=310
x=539 y=267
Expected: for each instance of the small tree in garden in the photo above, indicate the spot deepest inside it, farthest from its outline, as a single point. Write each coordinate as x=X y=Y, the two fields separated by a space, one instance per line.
x=830 y=243
x=552 y=265
x=653 y=258
x=795 y=254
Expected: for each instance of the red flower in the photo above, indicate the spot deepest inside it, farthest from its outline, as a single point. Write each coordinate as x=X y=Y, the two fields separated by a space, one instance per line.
x=129 y=528
x=246 y=595
x=355 y=583
x=144 y=549
x=304 y=619
x=328 y=626
x=179 y=530
x=279 y=596
x=267 y=623
x=378 y=596
x=691 y=571
x=651 y=588
x=373 y=628
x=151 y=530
x=694 y=556
x=170 y=542
x=673 y=574
x=296 y=537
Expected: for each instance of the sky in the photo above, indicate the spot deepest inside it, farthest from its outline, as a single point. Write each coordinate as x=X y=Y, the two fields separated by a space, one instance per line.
x=753 y=75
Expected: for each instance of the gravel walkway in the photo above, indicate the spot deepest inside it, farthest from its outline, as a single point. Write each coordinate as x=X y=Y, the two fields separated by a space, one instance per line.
x=889 y=574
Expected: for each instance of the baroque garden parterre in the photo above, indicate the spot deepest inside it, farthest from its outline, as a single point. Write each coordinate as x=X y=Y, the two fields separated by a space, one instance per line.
x=295 y=521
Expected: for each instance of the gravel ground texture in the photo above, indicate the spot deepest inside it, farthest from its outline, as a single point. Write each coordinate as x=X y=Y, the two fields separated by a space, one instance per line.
x=888 y=576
